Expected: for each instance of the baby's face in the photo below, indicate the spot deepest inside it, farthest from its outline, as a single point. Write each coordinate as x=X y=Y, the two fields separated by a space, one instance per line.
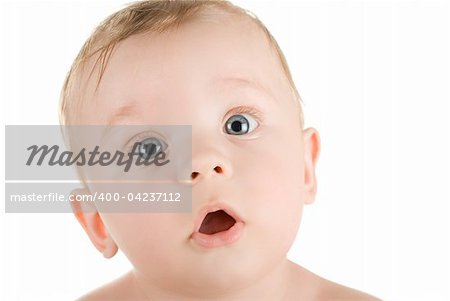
x=201 y=75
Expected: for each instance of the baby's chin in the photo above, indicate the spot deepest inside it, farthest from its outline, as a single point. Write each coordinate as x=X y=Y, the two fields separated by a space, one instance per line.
x=224 y=270
x=229 y=273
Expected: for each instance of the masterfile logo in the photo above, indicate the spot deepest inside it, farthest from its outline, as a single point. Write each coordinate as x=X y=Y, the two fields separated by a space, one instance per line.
x=126 y=168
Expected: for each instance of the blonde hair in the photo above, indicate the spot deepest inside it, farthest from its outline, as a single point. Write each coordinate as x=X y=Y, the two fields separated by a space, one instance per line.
x=149 y=16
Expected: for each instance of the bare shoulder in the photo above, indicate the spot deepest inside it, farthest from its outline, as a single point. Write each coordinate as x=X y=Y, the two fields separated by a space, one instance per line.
x=306 y=285
x=332 y=291
x=118 y=289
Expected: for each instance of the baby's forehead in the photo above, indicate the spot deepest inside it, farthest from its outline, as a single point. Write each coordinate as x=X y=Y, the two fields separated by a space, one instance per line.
x=226 y=44
x=204 y=31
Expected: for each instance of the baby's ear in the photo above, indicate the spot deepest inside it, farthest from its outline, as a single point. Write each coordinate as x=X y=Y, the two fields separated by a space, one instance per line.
x=91 y=221
x=311 y=150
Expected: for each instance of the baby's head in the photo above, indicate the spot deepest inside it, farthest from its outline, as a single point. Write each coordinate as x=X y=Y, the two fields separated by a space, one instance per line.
x=214 y=66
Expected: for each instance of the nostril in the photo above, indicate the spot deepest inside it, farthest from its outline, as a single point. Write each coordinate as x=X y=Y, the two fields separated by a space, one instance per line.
x=195 y=174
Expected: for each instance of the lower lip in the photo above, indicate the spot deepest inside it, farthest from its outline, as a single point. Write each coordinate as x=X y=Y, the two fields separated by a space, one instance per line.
x=219 y=239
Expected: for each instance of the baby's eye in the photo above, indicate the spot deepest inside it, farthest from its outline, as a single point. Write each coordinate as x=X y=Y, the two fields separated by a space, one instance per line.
x=148 y=148
x=240 y=124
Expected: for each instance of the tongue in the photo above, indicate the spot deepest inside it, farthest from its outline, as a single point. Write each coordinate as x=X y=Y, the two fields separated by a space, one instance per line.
x=216 y=221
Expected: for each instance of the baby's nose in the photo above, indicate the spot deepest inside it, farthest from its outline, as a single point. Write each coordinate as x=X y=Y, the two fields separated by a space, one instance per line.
x=208 y=164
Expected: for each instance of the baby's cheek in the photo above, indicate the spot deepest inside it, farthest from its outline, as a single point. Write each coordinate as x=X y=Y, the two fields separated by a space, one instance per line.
x=278 y=199
x=139 y=236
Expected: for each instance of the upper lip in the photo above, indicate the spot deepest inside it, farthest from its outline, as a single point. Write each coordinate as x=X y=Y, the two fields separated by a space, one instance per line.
x=215 y=206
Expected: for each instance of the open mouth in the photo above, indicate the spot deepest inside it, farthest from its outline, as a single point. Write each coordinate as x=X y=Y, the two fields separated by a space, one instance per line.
x=215 y=222
x=217 y=225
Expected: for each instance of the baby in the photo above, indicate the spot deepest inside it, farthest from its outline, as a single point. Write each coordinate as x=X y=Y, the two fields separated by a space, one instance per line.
x=214 y=66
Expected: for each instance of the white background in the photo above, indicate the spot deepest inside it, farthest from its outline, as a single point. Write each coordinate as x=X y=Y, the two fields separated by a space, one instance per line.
x=374 y=77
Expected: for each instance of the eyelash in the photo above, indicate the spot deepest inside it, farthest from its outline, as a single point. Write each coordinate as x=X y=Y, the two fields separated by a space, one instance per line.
x=247 y=110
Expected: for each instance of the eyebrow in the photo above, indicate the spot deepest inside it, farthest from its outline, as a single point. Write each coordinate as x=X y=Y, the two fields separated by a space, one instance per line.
x=123 y=111
x=251 y=83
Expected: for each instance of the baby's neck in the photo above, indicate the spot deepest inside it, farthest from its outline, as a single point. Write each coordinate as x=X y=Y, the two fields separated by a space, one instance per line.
x=275 y=285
